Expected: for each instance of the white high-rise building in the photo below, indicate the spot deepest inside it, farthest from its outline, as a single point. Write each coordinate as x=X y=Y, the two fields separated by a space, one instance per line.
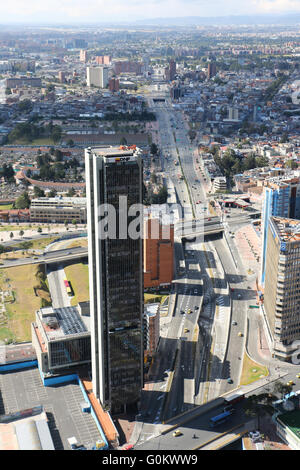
x=97 y=76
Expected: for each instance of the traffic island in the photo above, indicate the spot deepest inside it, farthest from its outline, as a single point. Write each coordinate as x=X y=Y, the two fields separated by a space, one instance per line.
x=252 y=371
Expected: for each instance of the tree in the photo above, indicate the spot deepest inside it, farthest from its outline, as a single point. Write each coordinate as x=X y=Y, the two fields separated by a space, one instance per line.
x=70 y=143
x=153 y=149
x=192 y=134
x=23 y=201
x=11 y=235
x=291 y=164
x=26 y=245
x=255 y=406
x=58 y=155
x=153 y=178
x=52 y=193
x=56 y=133
x=282 y=388
x=71 y=192
x=249 y=162
x=2 y=249
x=50 y=88
x=7 y=172
x=38 y=192
x=21 y=233
x=39 y=230
x=123 y=141
x=25 y=105
x=284 y=138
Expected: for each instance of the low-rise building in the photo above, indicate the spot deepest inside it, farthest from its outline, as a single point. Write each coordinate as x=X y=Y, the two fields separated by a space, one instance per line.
x=61 y=338
x=158 y=253
x=220 y=183
x=58 y=210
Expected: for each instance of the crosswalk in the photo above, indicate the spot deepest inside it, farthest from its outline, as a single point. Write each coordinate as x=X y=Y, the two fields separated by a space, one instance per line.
x=222 y=310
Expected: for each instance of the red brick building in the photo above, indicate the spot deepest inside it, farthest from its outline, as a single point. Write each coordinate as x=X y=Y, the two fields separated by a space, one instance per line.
x=158 y=253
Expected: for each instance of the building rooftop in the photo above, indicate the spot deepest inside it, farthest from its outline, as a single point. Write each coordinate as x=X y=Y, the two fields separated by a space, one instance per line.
x=288 y=230
x=60 y=322
x=59 y=200
x=291 y=419
x=115 y=151
x=25 y=430
x=151 y=309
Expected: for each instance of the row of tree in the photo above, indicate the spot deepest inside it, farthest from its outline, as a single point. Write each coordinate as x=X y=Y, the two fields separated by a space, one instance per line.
x=232 y=164
x=134 y=116
x=23 y=201
x=28 y=131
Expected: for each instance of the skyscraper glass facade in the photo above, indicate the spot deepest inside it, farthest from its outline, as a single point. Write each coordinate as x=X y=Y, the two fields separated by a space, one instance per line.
x=116 y=277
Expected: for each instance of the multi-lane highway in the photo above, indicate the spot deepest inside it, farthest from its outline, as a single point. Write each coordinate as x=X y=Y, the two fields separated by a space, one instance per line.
x=189 y=340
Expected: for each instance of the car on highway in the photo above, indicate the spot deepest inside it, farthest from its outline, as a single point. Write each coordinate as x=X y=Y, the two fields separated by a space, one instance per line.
x=298 y=376
x=189 y=311
x=290 y=383
x=182 y=312
x=229 y=381
x=240 y=334
x=177 y=433
x=186 y=330
x=234 y=323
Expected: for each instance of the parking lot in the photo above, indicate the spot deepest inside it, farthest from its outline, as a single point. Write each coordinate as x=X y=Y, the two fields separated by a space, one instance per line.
x=24 y=389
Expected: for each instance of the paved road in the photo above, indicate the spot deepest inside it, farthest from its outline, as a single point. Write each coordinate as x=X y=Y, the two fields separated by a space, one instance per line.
x=49 y=257
x=57 y=289
x=198 y=426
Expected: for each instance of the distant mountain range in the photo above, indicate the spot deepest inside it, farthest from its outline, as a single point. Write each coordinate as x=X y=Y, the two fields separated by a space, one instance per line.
x=270 y=19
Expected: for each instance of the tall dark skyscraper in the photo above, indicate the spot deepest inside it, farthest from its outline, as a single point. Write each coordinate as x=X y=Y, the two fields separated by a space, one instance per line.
x=211 y=70
x=115 y=277
x=172 y=69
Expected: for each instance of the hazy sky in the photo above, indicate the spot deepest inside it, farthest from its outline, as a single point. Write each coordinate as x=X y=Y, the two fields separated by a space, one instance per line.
x=69 y=11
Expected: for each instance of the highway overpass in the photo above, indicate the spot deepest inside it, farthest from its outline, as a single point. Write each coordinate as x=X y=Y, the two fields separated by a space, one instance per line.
x=50 y=257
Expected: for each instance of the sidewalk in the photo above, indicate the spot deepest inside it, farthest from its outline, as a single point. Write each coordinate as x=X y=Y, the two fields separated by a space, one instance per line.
x=32 y=232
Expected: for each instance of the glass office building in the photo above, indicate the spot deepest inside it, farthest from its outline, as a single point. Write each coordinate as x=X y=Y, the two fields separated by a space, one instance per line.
x=281 y=198
x=115 y=275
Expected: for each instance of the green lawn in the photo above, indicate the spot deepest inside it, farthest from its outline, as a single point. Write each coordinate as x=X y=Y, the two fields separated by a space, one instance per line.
x=16 y=251
x=44 y=141
x=21 y=312
x=152 y=298
x=5 y=207
x=40 y=141
x=252 y=371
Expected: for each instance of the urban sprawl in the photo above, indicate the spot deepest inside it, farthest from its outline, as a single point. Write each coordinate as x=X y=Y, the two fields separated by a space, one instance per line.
x=188 y=337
